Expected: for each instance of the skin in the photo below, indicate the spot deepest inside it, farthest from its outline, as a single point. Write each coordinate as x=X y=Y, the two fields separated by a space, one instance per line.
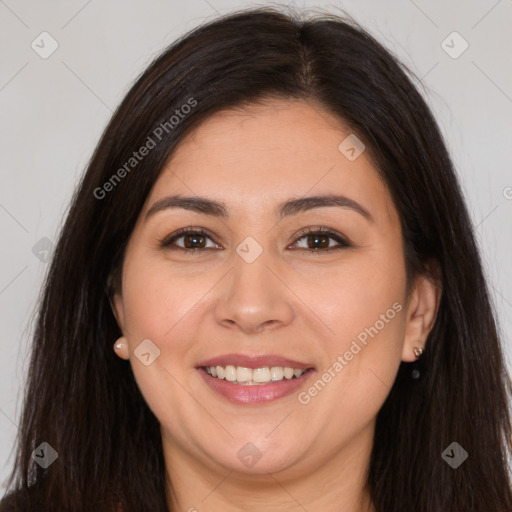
x=304 y=305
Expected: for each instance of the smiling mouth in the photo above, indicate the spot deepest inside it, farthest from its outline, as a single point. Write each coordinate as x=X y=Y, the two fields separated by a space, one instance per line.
x=254 y=376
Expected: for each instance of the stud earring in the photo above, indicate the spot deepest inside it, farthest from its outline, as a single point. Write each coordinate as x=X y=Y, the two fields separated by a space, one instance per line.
x=121 y=348
x=418 y=351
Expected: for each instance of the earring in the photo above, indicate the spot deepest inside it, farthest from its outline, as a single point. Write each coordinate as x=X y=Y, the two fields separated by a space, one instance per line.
x=121 y=348
x=418 y=351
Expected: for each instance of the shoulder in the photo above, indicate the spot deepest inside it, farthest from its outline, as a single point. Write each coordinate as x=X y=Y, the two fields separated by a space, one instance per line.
x=26 y=500
x=17 y=501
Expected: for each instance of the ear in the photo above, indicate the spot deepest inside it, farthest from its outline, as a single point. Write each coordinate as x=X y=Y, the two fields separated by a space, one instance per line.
x=421 y=313
x=117 y=306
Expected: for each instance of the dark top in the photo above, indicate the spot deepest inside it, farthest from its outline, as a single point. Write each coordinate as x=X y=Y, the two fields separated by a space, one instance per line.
x=22 y=500
x=17 y=501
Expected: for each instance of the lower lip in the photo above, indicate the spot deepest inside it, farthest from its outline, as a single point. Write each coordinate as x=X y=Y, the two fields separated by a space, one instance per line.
x=258 y=393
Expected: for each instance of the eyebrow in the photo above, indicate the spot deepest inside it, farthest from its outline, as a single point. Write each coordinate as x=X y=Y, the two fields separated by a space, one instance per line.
x=206 y=206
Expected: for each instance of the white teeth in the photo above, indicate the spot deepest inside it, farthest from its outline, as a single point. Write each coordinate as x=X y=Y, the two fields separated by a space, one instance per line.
x=243 y=374
x=261 y=374
x=230 y=373
x=288 y=372
x=277 y=372
x=250 y=377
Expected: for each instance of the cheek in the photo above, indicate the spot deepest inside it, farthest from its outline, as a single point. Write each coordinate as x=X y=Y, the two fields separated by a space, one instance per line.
x=362 y=303
x=359 y=370
x=367 y=340
x=159 y=306
x=158 y=301
x=366 y=289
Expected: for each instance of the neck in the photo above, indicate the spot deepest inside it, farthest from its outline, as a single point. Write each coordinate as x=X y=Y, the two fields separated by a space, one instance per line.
x=336 y=483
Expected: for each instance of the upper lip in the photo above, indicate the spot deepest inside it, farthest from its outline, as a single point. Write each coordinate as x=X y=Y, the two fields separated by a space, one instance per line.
x=253 y=362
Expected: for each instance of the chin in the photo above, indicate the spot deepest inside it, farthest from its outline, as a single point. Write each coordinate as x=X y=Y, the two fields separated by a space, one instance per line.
x=257 y=458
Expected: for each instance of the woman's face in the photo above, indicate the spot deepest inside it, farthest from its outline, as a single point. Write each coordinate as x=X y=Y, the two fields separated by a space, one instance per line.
x=258 y=292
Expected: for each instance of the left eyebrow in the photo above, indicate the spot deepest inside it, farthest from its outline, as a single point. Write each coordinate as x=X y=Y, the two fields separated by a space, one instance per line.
x=289 y=207
x=294 y=206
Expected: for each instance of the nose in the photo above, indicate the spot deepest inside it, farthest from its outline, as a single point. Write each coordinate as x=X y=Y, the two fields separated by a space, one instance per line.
x=254 y=297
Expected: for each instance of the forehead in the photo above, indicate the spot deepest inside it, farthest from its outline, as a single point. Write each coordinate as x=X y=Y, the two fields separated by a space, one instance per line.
x=269 y=152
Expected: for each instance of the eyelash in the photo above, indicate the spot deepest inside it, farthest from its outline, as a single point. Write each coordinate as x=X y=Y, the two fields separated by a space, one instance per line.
x=317 y=230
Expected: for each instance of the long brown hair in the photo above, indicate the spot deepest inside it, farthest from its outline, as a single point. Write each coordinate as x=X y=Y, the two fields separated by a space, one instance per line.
x=83 y=400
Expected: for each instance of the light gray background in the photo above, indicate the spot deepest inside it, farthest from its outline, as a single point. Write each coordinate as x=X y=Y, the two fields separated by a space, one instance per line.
x=53 y=111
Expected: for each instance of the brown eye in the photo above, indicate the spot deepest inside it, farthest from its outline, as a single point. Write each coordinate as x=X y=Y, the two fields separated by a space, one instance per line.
x=319 y=239
x=189 y=240
x=195 y=241
x=192 y=240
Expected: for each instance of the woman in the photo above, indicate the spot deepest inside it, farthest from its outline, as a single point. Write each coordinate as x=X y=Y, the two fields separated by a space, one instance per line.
x=267 y=294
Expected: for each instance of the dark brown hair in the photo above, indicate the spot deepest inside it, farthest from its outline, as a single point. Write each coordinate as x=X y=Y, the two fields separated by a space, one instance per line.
x=83 y=400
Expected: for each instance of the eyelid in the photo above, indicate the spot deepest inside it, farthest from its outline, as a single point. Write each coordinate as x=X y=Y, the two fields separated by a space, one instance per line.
x=167 y=240
x=342 y=241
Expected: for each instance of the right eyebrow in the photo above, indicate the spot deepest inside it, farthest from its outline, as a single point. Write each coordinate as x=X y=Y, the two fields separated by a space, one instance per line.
x=197 y=204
